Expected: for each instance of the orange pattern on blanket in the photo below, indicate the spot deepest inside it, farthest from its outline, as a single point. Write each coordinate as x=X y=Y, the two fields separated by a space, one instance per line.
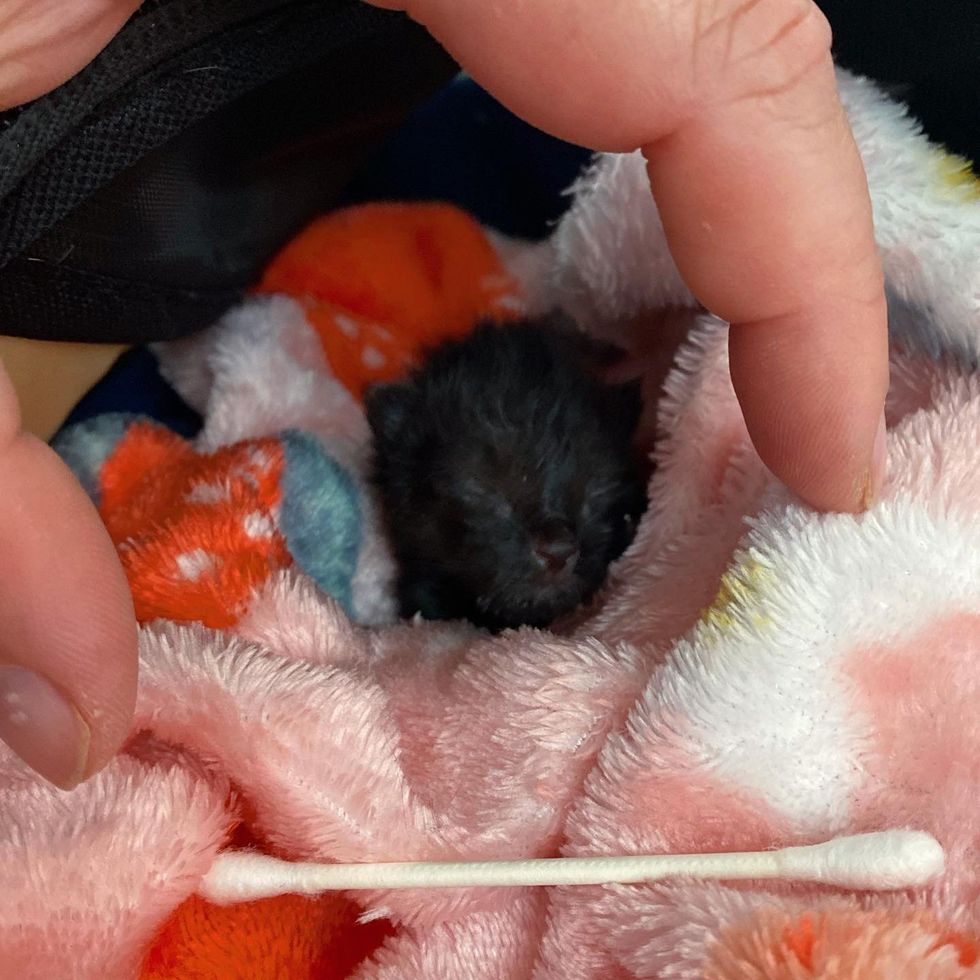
x=884 y=942
x=381 y=282
x=967 y=948
x=196 y=533
x=283 y=938
x=800 y=938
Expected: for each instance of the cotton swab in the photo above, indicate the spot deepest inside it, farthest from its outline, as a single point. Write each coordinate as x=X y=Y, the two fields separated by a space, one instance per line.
x=884 y=860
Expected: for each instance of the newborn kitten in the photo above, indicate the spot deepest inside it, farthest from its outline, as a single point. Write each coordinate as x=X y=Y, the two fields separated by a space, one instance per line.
x=507 y=476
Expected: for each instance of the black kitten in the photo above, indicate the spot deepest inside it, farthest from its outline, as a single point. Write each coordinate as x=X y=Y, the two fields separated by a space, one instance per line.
x=507 y=476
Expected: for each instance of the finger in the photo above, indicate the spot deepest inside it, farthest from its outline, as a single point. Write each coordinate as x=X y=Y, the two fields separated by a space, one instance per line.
x=757 y=179
x=765 y=205
x=44 y=42
x=67 y=629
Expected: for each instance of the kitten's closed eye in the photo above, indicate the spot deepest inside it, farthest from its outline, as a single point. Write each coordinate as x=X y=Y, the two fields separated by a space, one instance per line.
x=480 y=499
x=507 y=477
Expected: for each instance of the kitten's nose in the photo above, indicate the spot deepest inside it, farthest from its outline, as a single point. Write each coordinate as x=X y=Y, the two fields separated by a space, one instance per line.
x=556 y=553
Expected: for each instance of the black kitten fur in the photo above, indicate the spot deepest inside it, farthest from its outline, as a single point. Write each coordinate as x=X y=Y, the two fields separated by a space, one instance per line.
x=507 y=476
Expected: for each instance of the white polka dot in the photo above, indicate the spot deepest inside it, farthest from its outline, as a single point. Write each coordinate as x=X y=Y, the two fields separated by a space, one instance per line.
x=383 y=333
x=207 y=493
x=373 y=358
x=17 y=718
x=193 y=564
x=260 y=459
x=258 y=525
x=11 y=698
x=346 y=325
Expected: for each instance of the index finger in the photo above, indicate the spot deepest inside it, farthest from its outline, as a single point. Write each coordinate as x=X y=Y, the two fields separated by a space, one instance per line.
x=765 y=206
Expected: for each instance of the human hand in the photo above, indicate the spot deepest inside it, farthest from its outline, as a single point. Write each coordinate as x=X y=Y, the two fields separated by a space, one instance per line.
x=763 y=199
x=67 y=628
x=758 y=182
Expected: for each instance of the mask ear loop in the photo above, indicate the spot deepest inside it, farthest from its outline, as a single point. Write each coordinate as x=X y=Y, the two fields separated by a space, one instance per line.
x=882 y=861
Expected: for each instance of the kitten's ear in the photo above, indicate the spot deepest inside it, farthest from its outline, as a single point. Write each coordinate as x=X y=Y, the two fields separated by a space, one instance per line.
x=389 y=409
x=623 y=406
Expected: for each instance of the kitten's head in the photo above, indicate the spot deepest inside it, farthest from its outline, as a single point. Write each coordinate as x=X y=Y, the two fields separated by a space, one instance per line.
x=519 y=495
x=530 y=525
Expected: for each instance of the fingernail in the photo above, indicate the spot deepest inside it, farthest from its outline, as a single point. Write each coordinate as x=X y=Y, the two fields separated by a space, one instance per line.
x=876 y=475
x=43 y=727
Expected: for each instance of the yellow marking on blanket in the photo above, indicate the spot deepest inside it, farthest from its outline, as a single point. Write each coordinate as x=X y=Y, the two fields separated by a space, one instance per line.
x=740 y=589
x=955 y=178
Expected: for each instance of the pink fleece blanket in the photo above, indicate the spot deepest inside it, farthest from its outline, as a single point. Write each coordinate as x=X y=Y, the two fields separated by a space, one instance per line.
x=755 y=674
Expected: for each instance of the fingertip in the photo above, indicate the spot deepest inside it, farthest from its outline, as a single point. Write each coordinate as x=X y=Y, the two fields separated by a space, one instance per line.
x=42 y=726
x=812 y=393
x=68 y=637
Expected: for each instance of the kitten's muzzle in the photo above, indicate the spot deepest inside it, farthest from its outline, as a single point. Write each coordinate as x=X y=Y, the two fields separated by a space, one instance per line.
x=555 y=554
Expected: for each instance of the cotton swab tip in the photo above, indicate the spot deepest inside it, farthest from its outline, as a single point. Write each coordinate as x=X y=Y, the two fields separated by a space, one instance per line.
x=882 y=860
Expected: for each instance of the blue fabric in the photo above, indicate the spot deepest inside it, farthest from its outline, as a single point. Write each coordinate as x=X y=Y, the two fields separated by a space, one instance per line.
x=86 y=445
x=462 y=147
x=320 y=516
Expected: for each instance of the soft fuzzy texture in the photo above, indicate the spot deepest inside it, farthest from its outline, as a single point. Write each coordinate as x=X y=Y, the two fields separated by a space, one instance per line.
x=507 y=476
x=754 y=675
x=198 y=533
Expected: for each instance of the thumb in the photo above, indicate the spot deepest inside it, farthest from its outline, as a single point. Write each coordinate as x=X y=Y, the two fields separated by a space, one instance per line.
x=67 y=630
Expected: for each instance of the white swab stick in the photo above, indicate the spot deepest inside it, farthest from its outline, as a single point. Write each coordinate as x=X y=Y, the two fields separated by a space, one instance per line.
x=881 y=861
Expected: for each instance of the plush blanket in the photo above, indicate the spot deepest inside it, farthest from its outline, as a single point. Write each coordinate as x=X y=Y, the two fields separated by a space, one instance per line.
x=753 y=675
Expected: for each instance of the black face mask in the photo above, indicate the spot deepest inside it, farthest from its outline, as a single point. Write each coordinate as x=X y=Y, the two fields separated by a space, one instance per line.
x=142 y=197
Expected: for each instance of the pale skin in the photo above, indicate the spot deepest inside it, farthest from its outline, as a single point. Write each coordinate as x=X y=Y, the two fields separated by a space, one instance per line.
x=764 y=201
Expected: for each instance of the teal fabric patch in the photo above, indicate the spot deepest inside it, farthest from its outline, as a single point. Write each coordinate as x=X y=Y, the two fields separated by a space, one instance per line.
x=320 y=516
x=87 y=445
